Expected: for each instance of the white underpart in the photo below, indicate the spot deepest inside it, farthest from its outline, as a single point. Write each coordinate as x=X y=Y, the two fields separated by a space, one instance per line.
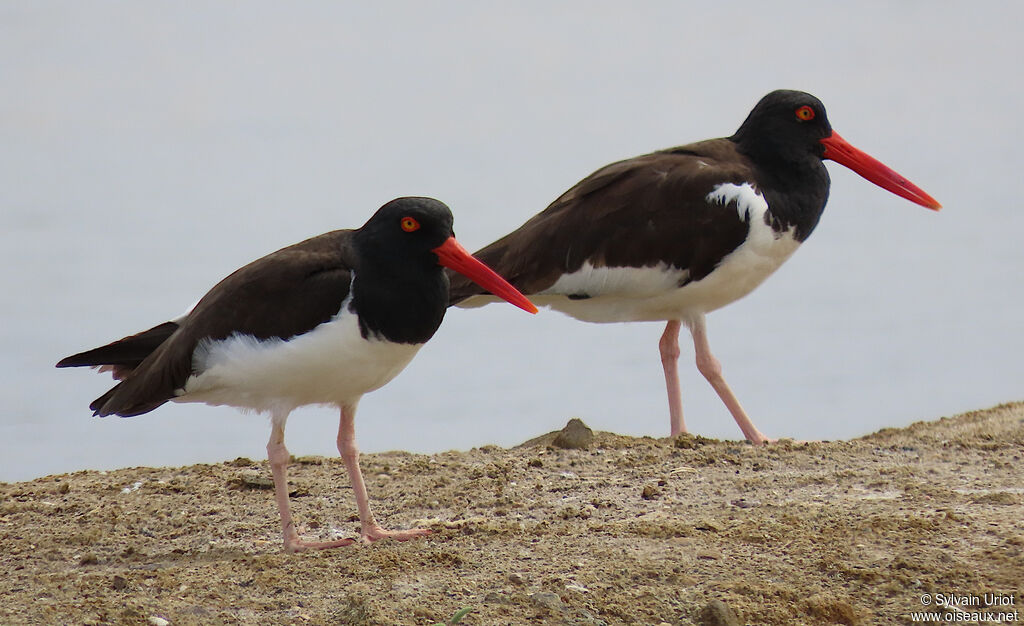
x=621 y=282
x=331 y=364
x=631 y=294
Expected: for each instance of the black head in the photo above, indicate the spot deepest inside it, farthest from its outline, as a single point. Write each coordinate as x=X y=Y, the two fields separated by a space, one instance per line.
x=406 y=229
x=787 y=135
x=786 y=126
x=400 y=289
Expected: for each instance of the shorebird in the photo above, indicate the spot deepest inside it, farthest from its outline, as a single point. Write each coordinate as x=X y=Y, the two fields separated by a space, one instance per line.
x=323 y=321
x=673 y=235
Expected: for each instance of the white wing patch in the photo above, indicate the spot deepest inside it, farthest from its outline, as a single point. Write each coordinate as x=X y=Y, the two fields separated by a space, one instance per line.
x=750 y=205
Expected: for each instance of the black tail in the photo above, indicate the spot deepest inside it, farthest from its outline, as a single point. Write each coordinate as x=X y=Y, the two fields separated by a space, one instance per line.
x=124 y=354
x=97 y=405
x=122 y=357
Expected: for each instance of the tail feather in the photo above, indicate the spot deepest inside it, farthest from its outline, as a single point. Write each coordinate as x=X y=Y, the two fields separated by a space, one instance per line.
x=125 y=354
x=122 y=357
x=98 y=403
x=98 y=410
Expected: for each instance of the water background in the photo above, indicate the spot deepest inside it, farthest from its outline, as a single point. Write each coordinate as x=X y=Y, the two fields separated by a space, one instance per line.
x=148 y=149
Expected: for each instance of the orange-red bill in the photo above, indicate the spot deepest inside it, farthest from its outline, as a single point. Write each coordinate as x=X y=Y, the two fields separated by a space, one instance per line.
x=840 y=151
x=451 y=254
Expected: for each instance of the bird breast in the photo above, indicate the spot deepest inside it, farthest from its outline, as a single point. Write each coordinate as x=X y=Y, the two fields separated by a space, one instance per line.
x=331 y=364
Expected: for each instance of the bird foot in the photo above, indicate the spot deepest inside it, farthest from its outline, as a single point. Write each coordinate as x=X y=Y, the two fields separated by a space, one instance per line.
x=376 y=532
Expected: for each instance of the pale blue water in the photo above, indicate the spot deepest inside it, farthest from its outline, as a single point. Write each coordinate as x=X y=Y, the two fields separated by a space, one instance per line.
x=147 y=149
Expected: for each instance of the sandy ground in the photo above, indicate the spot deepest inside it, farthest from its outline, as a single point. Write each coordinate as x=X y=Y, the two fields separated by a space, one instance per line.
x=626 y=531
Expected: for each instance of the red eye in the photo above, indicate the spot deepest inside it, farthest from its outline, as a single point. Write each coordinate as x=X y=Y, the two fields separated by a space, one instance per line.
x=805 y=113
x=410 y=224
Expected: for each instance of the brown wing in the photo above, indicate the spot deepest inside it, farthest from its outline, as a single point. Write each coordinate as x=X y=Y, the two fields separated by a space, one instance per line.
x=284 y=294
x=633 y=213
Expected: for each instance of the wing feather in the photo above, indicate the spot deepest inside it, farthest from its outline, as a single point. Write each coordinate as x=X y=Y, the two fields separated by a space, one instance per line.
x=283 y=294
x=641 y=212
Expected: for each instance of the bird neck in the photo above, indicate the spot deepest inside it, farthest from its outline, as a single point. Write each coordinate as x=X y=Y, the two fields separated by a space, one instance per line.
x=403 y=306
x=796 y=196
x=795 y=184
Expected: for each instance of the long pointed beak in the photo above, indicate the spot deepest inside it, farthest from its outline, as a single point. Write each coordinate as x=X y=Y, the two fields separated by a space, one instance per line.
x=840 y=151
x=452 y=254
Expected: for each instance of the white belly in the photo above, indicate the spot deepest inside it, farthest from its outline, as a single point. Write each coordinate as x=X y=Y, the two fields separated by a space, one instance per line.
x=332 y=364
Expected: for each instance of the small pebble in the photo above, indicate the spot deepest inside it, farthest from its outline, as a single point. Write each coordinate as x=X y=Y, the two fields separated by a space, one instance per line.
x=717 y=613
x=493 y=597
x=707 y=525
x=157 y=621
x=575 y=436
x=516 y=578
x=743 y=503
x=255 y=480
x=88 y=559
x=548 y=600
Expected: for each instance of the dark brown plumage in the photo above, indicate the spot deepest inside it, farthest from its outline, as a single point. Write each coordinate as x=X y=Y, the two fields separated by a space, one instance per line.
x=633 y=213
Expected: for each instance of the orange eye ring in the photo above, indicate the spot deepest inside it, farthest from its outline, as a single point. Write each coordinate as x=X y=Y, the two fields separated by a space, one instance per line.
x=409 y=224
x=805 y=113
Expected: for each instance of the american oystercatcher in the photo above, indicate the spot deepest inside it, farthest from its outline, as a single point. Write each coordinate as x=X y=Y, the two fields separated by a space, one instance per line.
x=675 y=234
x=321 y=322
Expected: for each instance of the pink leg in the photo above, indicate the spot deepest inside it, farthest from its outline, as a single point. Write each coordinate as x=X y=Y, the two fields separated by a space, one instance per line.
x=279 y=457
x=371 y=530
x=669 y=347
x=712 y=371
